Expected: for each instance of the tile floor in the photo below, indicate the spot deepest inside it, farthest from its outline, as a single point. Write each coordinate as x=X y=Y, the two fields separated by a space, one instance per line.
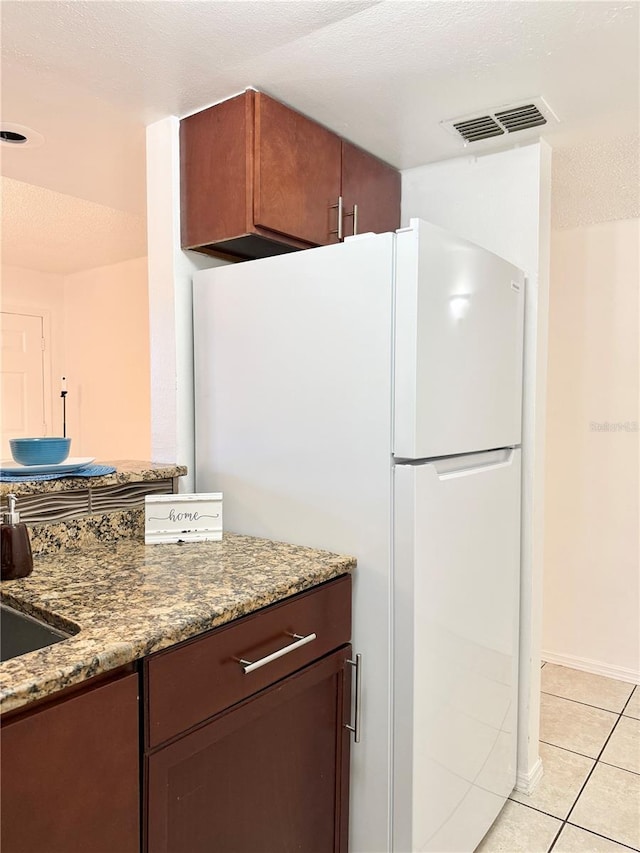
x=588 y=800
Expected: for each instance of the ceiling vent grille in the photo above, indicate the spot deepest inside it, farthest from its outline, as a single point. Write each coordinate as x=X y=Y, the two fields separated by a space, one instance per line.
x=475 y=129
x=501 y=121
x=520 y=118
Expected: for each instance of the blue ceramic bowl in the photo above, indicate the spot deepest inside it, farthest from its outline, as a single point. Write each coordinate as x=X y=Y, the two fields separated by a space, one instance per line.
x=39 y=451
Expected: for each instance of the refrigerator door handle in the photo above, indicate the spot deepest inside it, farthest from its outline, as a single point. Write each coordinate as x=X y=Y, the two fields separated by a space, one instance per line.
x=355 y=728
x=477 y=463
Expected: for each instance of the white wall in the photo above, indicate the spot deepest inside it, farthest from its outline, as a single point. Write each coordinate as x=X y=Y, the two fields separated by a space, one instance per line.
x=502 y=201
x=493 y=200
x=106 y=361
x=170 y=304
x=592 y=577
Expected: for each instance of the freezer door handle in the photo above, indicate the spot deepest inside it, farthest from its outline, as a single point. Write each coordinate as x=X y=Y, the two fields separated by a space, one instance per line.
x=476 y=463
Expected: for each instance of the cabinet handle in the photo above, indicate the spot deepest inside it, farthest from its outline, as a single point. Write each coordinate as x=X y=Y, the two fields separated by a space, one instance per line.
x=354 y=213
x=338 y=206
x=248 y=666
x=355 y=728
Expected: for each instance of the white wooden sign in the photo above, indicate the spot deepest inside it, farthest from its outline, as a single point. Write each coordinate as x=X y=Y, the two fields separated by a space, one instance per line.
x=182 y=518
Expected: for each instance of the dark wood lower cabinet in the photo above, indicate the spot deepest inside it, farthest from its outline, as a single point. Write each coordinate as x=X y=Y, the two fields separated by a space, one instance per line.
x=270 y=775
x=70 y=773
x=243 y=744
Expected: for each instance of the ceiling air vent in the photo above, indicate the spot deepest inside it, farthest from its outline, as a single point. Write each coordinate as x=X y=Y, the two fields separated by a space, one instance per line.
x=474 y=129
x=501 y=121
x=520 y=118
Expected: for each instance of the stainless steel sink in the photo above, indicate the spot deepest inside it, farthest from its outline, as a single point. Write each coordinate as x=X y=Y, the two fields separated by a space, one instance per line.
x=20 y=633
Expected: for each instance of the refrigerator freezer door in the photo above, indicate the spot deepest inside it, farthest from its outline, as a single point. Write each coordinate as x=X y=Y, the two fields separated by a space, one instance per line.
x=458 y=346
x=456 y=571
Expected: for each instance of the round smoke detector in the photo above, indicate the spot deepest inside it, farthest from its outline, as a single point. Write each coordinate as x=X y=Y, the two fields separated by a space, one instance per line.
x=18 y=136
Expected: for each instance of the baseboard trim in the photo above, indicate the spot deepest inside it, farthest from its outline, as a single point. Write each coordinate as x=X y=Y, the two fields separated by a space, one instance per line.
x=526 y=783
x=593 y=666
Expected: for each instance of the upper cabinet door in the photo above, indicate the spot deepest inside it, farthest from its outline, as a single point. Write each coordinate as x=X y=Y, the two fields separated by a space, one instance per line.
x=297 y=174
x=260 y=179
x=370 y=191
x=215 y=178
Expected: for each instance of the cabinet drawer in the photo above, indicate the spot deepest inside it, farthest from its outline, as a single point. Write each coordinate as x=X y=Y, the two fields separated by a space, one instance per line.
x=270 y=774
x=191 y=682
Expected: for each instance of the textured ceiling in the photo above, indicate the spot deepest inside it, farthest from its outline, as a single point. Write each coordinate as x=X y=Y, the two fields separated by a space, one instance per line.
x=385 y=73
x=52 y=232
x=89 y=75
x=596 y=182
x=92 y=149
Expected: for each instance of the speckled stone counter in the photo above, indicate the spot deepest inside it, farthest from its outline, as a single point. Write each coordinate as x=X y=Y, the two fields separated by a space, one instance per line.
x=127 y=471
x=126 y=600
x=81 y=512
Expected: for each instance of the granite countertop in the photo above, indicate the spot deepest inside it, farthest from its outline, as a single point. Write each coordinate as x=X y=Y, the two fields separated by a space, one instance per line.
x=127 y=471
x=128 y=599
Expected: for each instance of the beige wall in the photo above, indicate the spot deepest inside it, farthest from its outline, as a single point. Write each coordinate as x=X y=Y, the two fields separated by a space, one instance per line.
x=99 y=325
x=107 y=361
x=591 y=615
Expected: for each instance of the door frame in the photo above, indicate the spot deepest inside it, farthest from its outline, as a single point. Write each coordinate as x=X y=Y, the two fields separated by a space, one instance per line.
x=47 y=385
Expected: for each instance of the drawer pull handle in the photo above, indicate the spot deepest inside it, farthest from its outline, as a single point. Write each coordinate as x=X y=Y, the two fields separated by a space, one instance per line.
x=248 y=666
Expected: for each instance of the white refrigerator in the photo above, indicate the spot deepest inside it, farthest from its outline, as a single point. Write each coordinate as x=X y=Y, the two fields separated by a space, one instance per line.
x=365 y=398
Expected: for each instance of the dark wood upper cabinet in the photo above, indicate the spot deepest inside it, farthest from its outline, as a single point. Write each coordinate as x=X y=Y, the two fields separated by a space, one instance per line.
x=216 y=184
x=370 y=192
x=297 y=174
x=258 y=179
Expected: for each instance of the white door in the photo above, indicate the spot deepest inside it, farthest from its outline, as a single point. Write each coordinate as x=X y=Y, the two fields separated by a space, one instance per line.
x=456 y=603
x=458 y=351
x=22 y=378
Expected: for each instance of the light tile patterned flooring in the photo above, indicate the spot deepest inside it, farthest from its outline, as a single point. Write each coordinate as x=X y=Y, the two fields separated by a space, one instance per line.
x=588 y=800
